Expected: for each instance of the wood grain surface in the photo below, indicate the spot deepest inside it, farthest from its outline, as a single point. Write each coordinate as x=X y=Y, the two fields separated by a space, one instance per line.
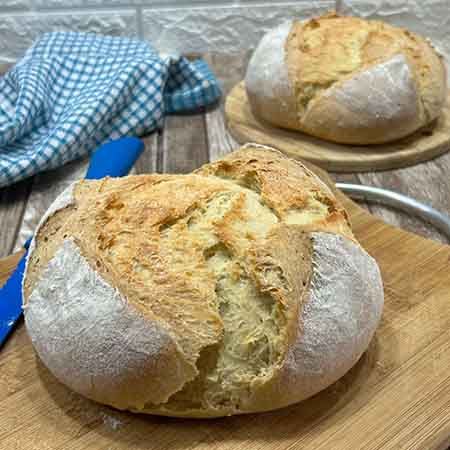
x=421 y=146
x=13 y=200
x=150 y=160
x=229 y=69
x=397 y=395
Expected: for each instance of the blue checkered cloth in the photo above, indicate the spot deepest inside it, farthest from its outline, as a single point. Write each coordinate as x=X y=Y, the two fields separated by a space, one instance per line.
x=73 y=91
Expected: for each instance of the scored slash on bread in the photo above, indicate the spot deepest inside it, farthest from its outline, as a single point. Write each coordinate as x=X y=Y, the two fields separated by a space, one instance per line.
x=235 y=289
x=346 y=80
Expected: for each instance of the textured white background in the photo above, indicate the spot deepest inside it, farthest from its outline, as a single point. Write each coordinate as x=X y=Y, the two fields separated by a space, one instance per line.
x=200 y=25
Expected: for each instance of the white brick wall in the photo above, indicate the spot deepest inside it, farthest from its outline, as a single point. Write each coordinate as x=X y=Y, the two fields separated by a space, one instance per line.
x=220 y=28
x=18 y=30
x=199 y=25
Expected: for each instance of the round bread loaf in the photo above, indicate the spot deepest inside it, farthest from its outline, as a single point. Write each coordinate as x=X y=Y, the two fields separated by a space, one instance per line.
x=235 y=289
x=346 y=79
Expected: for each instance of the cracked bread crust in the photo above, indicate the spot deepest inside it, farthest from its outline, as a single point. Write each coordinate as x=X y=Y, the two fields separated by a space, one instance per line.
x=188 y=307
x=348 y=80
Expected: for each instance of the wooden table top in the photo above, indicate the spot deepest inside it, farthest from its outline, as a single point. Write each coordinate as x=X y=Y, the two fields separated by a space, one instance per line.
x=187 y=141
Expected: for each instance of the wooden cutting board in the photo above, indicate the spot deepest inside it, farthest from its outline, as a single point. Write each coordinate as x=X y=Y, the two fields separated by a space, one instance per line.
x=419 y=147
x=396 y=397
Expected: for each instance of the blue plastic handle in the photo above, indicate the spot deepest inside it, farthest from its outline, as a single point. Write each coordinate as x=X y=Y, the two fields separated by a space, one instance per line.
x=11 y=300
x=114 y=159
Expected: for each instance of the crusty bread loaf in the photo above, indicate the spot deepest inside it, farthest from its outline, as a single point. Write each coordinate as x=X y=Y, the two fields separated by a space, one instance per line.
x=235 y=289
x=346 y=79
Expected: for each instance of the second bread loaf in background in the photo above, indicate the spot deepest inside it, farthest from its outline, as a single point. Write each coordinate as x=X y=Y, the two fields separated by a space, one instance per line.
x=346 y=80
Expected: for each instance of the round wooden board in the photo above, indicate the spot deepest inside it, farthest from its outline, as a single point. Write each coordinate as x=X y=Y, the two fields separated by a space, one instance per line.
x=416 y=148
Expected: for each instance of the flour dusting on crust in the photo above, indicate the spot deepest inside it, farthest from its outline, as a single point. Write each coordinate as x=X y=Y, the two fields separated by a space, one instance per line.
x=268 y=63
x=339 y=319
x=385 y=90
x=380 y=100
x=94 y=341
x=267 y=79
x=62 y=201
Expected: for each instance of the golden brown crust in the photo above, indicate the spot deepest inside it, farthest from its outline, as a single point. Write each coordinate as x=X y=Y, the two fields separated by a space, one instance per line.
x=285 y=185
x=107 y=213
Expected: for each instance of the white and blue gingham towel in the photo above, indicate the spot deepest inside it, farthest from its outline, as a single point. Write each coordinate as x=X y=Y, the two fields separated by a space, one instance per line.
x=73 y=91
